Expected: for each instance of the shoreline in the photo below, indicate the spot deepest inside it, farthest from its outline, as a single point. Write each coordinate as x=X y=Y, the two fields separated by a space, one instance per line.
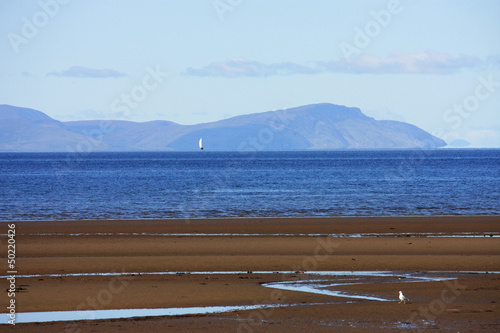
x=136 y=249
x=453 y=223
x=267 y=217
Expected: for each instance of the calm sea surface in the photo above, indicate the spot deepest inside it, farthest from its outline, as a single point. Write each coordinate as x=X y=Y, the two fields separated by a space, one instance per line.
x=53 y=186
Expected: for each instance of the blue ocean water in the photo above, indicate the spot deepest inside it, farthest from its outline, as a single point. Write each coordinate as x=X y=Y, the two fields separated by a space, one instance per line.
x=145 y=185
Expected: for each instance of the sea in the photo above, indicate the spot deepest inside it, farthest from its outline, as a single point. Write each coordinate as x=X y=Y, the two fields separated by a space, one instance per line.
x=205 y=184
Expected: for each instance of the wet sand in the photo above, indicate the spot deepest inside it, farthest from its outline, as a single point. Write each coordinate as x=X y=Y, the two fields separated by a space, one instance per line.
x=133 y=248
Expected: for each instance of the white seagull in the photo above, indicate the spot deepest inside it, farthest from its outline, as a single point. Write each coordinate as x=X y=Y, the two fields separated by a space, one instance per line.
x=403 y=298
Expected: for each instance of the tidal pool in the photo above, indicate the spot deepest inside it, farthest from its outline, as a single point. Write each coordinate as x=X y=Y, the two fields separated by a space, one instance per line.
x=317 y=282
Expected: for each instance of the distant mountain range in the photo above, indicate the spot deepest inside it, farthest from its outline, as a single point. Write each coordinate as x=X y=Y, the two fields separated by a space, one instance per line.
x=309 y=127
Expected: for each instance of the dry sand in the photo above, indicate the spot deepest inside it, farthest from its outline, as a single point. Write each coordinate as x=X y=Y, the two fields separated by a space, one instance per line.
x=467 y=304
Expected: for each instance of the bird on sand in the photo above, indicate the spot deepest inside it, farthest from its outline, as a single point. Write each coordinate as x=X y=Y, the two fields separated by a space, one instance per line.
x=403 y=298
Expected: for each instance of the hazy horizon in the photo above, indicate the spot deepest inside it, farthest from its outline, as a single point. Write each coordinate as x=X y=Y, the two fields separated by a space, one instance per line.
x=427 y=63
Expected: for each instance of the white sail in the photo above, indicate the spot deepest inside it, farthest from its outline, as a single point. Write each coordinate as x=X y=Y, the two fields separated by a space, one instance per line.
x=201 y=144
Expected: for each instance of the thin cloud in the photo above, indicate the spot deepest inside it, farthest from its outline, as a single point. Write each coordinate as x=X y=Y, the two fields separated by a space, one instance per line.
x=428 y=62
x=85 y=72
x=242 y=67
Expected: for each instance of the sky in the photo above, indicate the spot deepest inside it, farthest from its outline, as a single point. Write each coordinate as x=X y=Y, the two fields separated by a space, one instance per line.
x=434 y=64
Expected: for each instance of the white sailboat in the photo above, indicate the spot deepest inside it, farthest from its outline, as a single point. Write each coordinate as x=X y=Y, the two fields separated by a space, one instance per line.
x=201 y=144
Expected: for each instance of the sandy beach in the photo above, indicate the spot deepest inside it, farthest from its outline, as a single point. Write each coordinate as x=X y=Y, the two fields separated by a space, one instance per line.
x=224 y=262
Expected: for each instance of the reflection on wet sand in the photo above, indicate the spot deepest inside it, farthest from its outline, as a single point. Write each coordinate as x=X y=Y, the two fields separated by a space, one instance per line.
x=316 y=282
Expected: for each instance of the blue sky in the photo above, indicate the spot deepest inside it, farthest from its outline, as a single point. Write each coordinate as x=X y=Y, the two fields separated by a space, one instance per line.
x=435 y=64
